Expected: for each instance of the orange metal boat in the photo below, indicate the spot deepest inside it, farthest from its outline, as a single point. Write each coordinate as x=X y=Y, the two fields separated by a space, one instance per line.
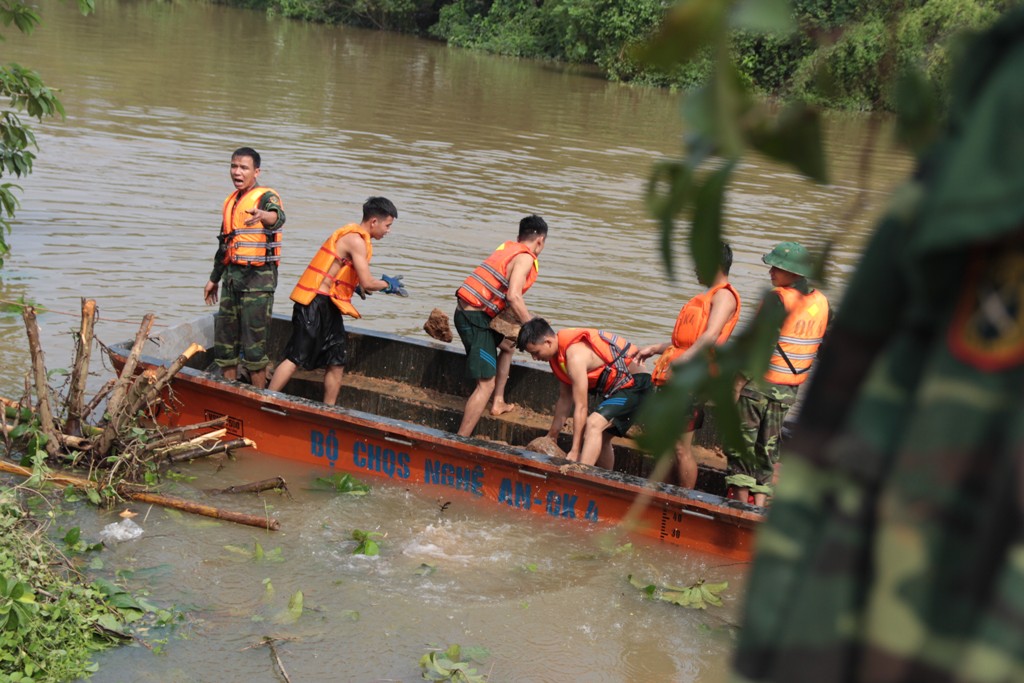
x=401 y=402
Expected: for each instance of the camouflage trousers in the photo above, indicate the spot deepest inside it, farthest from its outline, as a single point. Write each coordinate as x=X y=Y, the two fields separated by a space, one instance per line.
x=762 y=411
x=241 y=327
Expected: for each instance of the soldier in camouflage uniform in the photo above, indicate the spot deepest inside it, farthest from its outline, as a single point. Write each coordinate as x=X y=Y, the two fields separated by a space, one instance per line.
x=894 y=551
x=764 y=403
x=246 y=268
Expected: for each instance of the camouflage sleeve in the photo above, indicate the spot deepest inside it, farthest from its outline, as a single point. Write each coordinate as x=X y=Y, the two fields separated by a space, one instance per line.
x=271 y=202
x=218 y=269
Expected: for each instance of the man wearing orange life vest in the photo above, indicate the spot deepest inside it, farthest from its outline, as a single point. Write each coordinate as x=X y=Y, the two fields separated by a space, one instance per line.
x=496 y=284
x=764 y=403
x=705 y=321
x=246 y=266
x=589 y=362
x=339 y=269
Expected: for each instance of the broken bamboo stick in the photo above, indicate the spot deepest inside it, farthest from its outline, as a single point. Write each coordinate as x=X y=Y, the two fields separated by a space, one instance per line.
x=131 y=493
x=202 y=451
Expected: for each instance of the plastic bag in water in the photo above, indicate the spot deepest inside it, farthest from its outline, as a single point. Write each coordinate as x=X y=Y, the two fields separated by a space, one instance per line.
x=116 y=532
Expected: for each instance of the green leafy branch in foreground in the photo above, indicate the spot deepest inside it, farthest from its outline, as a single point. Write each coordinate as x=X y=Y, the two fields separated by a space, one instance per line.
x=448 y=665
x=695 y=596
x=725 y=121
x=26 y=93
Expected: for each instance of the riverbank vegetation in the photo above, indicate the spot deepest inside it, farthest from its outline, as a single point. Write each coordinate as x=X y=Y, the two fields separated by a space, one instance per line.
x=51 y=621
x=833 y=52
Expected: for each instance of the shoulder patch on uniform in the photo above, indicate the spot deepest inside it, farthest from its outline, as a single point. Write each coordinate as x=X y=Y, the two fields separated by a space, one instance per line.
x=988 y=327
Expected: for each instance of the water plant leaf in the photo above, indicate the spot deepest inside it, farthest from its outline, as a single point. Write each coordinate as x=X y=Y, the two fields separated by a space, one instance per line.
x=695 y=596
x=366 y=545
x=448 y=666
x=293 y=612
x=342 y=483
x=647 y=588
x=425 y=569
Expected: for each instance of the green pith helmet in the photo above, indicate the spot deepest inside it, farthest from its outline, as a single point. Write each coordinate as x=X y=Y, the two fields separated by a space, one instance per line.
x=790 y=256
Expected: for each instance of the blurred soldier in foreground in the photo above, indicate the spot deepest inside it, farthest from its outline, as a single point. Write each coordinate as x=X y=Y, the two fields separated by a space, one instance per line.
x=894 y=550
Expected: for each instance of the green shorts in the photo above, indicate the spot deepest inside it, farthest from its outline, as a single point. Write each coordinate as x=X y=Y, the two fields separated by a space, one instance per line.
x=620 y=407
x=481 y=343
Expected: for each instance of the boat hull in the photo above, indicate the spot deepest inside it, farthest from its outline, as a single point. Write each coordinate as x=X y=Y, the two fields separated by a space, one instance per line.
x=369 y=445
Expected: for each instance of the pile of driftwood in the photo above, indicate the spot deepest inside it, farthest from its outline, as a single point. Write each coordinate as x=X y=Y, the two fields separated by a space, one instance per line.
x=125 y=442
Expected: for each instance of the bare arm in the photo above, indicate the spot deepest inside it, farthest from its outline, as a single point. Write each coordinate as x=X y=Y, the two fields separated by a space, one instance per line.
x=353 y=247
x=562 y=408
x=517 y=273
x=723 y=305
x=652 y=350
x=576 y=357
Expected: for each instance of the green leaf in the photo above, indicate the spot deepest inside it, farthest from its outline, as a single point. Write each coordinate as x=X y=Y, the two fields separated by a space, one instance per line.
x=669 y=189
x=94 y=496
x=764 y=16
x=706 y=234
x=917 y=110
x=688 y=27
x=72 y=536
x=793 y=137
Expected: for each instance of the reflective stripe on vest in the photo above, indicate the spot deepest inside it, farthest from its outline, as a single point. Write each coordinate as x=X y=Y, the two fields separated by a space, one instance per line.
x=612 y=349
x=343 y=284
x=248 y=245
x=487 y=286
x=691 y=322
x=800 y=337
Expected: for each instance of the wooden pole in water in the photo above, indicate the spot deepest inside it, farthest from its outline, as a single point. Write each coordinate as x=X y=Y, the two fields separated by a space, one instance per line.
x=80 y=370
x=46 y=424
x=120 y=390
x=256 y=486
x=129 y=492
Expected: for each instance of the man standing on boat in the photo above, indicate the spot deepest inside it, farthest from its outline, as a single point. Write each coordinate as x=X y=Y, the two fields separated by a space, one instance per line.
x=496 y=284
x=589 y=363
x=764 y=403
x=246 y=268
x=705 y=321
x=323 y=294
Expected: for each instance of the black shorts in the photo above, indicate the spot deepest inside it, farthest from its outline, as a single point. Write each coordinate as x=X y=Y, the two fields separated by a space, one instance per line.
x=318 y=335
x=620 y=408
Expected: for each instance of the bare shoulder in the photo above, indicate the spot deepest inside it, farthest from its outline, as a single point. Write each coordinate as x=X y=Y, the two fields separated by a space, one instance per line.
x=351 y=244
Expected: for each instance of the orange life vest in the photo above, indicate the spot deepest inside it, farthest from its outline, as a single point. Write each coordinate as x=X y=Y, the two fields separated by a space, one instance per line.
x=690 y=324
x=487 y=285
x=614 y=350
x=800 y=337
x=344 y=282
x=253 y=245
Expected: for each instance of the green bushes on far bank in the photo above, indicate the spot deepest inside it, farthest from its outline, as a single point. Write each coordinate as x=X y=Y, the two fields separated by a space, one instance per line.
x=842 y=54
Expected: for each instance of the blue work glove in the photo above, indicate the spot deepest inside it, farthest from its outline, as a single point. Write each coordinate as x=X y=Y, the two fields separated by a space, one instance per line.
x=394 y=285
x=361 y=293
